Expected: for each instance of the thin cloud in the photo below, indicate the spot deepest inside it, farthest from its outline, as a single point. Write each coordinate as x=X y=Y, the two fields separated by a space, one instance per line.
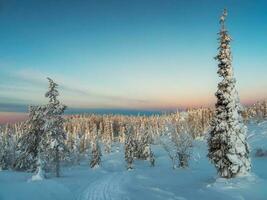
x=38 y=79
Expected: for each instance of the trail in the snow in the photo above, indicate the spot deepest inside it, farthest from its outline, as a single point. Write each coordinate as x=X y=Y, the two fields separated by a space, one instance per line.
x=108 y=187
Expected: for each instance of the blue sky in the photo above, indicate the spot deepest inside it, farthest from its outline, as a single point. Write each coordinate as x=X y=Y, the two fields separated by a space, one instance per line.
x=135 y=54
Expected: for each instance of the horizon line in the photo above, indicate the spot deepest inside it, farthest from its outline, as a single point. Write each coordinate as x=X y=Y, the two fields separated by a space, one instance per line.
x=23 y=108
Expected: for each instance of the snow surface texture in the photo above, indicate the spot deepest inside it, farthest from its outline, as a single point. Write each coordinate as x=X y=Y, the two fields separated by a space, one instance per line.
x=112 y=181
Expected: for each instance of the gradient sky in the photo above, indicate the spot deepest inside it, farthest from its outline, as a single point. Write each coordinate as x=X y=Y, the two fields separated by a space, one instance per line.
x=136 y=54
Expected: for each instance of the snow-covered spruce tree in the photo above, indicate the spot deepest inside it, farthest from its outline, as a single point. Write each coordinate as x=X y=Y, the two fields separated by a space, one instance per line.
x=11 y=140
x=77 y=148
x=7 y=147
x=75 y=144
x=53 y=128
x=107 y=136
x=145 y=151
x=122 y=134
x=29 y=143
x=183 y=142
x=3 y=152
x=177 y=142
x=96 y=150
x=151 y=155
x=228 y=148
x=129 y=148
x=264 y=104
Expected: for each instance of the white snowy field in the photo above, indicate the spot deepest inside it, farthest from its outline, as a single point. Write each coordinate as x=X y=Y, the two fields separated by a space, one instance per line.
x=112 y=181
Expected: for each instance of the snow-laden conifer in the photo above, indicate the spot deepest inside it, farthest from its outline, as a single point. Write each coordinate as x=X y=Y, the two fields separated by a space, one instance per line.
x=264 y=109
x=129 y=148
x=228 y=148
x=53 y=128
x=145 y=151
x=29 y=143
x=5 y=158
x=96 y=150
x=178 y=142
x=108 y=134
x=76 y=149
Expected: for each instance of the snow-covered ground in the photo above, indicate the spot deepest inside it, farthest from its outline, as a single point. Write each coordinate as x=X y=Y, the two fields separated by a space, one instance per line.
x=112 y=181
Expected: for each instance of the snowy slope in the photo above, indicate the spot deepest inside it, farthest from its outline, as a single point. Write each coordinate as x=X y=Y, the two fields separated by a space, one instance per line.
x=112 y=181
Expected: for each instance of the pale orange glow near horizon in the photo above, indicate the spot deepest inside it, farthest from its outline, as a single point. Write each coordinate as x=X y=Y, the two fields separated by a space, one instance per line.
x=164 y=104
x=12 y=117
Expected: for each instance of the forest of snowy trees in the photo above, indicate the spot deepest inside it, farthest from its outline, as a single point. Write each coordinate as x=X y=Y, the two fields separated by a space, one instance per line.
x=30 y=146
x=90 y=136
x=49 y=139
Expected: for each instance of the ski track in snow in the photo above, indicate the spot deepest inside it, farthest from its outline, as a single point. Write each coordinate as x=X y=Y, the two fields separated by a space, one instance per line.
x=107 y=187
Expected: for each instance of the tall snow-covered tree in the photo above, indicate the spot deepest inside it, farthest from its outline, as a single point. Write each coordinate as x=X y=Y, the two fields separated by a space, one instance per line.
x=108 y=134
x=144 y=145
x=53 y=128
x=265 y=108
x=177 y=142
x=5 y=158
x=76 y=149
x=28 y=145
x=228 y=148
x=96 y=150
x=129 y=148
x=122 y=131
x=183 y=143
